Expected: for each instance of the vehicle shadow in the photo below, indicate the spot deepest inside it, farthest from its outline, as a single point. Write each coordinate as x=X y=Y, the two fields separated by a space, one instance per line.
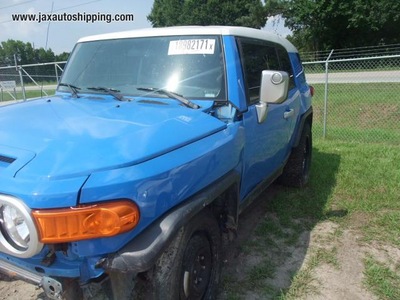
x=274 y=234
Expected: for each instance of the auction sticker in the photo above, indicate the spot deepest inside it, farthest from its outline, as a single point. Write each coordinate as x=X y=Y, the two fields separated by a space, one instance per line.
x=194 y=46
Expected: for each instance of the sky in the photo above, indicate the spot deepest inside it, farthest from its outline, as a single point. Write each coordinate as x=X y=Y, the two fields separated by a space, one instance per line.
x=61 y=36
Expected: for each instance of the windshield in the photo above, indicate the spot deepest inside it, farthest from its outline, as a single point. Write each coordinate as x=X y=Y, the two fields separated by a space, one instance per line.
x=191 y=66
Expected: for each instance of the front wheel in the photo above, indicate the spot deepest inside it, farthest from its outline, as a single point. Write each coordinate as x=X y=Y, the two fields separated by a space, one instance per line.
x=190 y=268
x=297 y=169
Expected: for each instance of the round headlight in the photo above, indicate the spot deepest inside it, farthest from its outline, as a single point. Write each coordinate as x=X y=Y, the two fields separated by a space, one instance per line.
x=14 y=227
x=18 y=234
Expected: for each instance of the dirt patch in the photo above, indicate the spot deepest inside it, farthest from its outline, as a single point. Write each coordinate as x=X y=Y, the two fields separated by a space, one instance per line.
x=327 y=263
x=18 y=290
x=344 y=279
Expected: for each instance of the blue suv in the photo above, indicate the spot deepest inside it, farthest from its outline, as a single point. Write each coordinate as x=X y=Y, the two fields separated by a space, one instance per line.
x=141 y=163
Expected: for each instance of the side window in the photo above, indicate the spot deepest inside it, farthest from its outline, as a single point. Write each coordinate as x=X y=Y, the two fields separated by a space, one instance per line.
x=298 y=69
x=286 y=65
x=259 y=55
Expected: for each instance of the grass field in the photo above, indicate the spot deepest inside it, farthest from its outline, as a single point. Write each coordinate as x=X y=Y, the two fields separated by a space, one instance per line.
x=355 y=187
x=29 y=94
x=365 y=112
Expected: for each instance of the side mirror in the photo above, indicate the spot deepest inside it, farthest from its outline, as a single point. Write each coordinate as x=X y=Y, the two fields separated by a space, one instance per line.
x=274 y=86
x=274 y=89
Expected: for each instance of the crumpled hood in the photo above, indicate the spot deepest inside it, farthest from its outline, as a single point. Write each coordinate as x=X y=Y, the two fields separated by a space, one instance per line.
x=60 y=137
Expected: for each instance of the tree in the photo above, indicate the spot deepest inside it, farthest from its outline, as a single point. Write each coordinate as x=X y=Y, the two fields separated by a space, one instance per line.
x=250 y=13
x=23 y=52
x=26 y=54
x=329 y=24
x=62 y=57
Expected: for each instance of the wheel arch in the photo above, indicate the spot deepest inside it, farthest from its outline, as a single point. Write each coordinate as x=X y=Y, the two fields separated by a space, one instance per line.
x=306 y=118
x=139 y=255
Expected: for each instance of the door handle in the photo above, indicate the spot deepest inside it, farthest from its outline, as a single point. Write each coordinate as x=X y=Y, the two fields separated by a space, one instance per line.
x=288 y=114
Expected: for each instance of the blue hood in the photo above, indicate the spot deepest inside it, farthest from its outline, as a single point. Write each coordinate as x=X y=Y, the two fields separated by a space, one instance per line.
x=61 y=137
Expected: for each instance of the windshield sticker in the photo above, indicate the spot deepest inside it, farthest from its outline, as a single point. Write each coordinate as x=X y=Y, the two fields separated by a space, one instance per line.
x=195 y=46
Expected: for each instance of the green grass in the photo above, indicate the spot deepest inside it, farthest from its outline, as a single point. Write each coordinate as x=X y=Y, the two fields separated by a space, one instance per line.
x=365 y=112
x=354 y=185
x=29 y=94
x=303 y=283
x=390 y=220
x=259 y=273
x=382 y=280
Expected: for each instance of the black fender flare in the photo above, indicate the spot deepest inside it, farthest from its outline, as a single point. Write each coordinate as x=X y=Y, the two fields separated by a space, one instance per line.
x=303 y=118
x=140 y=254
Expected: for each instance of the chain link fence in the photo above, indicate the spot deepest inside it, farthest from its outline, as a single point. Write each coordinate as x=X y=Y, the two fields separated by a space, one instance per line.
x=356 y=99
x=29 y=81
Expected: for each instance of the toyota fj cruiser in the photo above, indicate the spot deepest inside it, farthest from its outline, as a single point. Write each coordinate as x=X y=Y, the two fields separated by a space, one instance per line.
x=154 y=143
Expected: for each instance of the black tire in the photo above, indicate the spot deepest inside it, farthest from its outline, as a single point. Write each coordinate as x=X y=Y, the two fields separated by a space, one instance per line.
x=190 y=267
x=296 y=172
x=72 y=290
x=122 y=286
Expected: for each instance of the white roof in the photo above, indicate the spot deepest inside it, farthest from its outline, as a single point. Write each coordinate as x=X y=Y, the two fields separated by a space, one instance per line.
x=195 y=30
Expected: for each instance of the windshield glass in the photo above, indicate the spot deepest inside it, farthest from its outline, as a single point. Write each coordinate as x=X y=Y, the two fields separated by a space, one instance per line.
x=191 y=66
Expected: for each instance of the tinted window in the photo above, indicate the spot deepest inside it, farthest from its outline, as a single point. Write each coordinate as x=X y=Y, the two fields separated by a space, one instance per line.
x=258 y=55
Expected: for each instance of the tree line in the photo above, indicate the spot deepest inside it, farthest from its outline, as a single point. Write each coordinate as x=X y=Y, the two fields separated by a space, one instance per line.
x=315 y=24
x=25 y=53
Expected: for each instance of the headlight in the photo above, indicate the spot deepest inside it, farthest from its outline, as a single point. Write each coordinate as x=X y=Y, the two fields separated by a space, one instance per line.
x=14 y=227
x=18 y=234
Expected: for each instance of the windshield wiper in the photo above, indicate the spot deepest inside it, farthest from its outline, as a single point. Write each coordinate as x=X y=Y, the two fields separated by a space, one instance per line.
x=171 y=95
x=113 y=92
x=74 y=89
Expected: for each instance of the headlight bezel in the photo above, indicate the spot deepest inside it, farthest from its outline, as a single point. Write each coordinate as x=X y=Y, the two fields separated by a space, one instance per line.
x=7 y=244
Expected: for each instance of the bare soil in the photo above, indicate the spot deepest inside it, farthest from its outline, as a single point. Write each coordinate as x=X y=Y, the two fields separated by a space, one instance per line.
x=342 y=279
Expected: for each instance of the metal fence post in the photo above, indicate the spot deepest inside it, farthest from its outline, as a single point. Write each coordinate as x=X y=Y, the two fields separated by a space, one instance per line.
x=18 y=68
x=326 y=94
x=56 y=66
x=56 y=71
x=22 y=83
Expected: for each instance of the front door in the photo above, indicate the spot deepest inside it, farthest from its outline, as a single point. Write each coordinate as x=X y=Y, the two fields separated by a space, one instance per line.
x=266 y=144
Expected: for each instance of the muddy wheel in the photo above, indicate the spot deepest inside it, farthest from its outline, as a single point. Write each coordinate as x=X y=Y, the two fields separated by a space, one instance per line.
x=190 y=267
x=297 y=170
x=72 y=290
x=122 y=286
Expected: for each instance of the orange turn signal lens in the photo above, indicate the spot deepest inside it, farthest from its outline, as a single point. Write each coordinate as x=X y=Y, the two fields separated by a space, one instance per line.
x=86 y=222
